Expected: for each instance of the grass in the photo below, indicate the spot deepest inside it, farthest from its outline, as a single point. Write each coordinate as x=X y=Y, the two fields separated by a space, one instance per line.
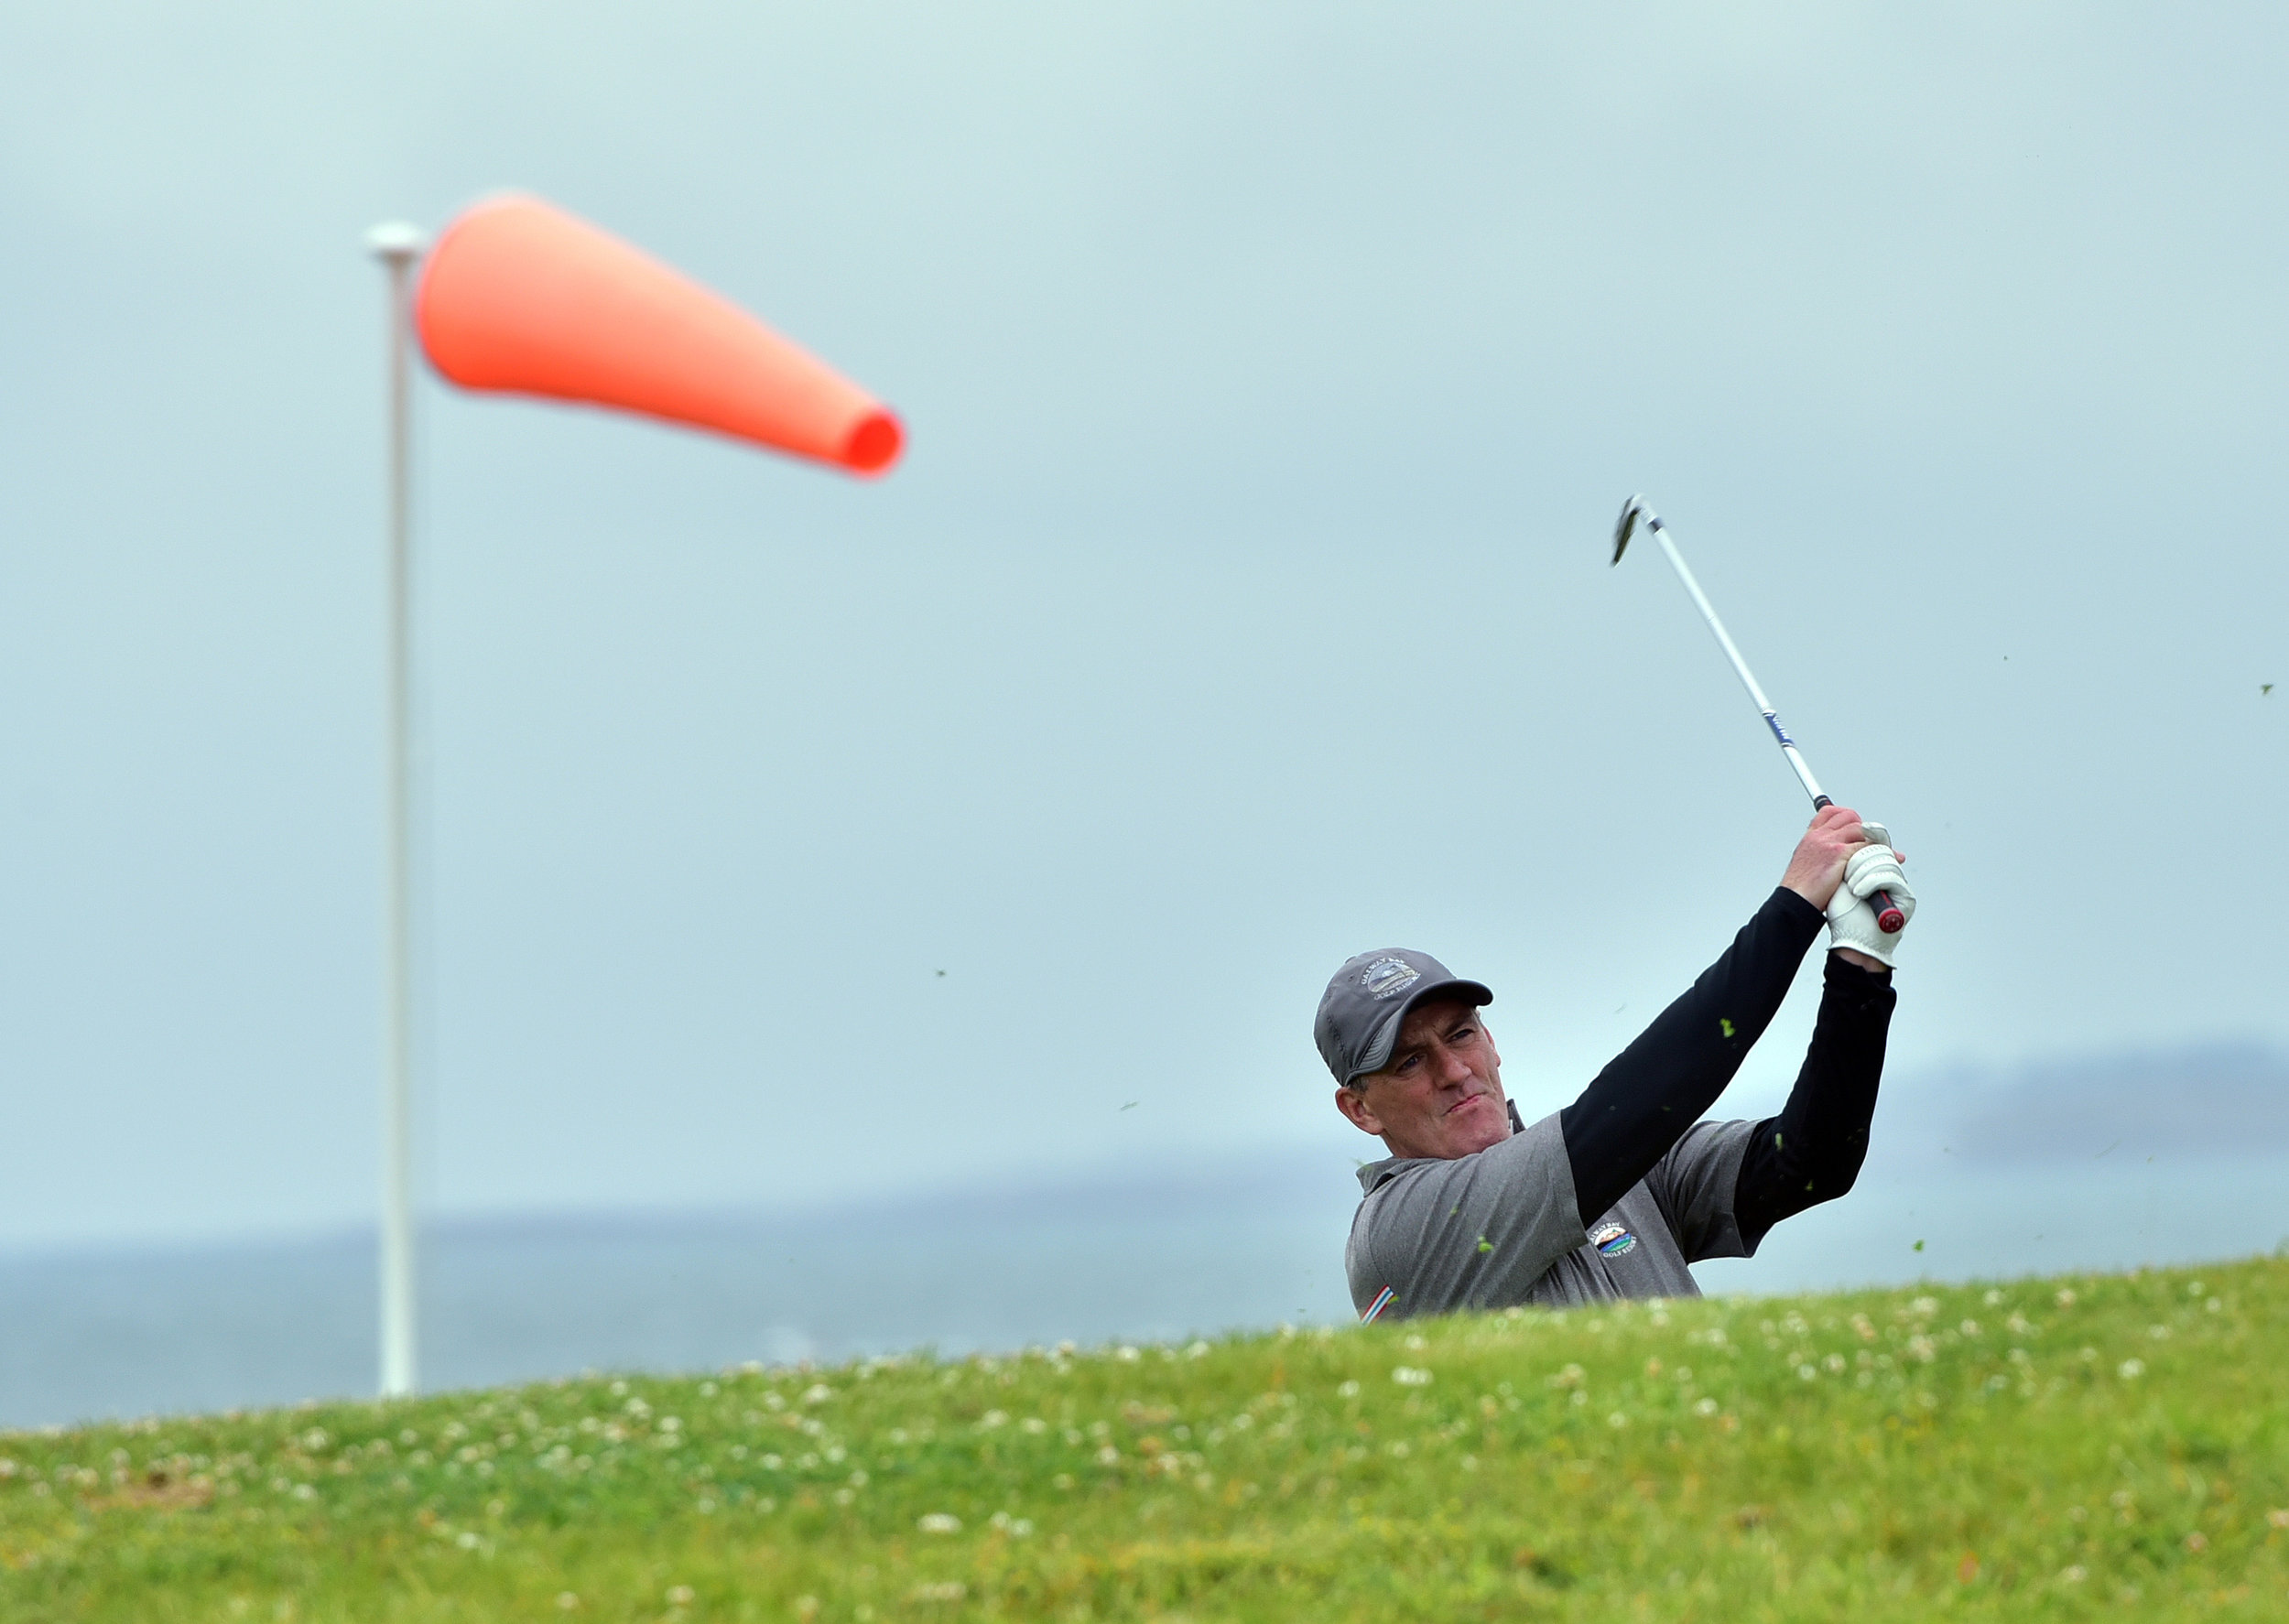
x=2041 y=1450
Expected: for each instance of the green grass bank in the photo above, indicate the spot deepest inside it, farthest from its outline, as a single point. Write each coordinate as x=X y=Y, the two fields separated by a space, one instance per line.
x=2066 y=1449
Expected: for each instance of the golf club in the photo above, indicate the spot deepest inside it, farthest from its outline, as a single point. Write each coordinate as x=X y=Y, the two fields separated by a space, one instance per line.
x=1888 y=915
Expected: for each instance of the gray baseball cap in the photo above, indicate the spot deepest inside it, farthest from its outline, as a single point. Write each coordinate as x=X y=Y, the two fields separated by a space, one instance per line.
x=1367 y=1001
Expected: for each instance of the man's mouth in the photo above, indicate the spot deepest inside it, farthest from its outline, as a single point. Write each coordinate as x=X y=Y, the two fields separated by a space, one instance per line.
x=1466 y=1099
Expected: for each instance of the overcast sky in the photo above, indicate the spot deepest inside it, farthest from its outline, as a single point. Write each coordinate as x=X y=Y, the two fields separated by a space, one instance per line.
x=1274 y=374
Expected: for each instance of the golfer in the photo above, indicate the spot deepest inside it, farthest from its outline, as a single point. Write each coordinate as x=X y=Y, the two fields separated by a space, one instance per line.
x=1613 y=1195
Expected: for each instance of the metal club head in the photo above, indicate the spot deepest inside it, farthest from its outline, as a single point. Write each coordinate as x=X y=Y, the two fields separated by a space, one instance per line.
x=1626 y=525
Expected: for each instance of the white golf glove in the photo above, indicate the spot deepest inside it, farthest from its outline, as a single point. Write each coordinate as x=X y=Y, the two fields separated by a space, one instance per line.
x=1851 y=917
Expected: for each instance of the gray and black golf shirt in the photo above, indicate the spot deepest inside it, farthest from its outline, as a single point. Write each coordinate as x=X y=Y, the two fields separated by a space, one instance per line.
x=1611 y=1197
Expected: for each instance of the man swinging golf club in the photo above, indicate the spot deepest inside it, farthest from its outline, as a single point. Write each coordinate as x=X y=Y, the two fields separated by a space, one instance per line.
x=1613 y=1195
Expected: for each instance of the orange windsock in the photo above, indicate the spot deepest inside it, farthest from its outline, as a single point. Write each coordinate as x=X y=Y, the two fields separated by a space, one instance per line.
x=519 y=295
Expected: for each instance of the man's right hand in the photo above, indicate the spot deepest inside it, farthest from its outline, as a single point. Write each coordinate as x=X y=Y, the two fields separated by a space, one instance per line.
x=1818 y=868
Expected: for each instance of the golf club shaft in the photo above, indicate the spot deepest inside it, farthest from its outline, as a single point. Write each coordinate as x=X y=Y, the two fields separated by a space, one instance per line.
x=1888 y=913
x=1739 y=666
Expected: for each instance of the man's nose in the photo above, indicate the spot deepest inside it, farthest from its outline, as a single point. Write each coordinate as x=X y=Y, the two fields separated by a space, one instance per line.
x=1453 y=1066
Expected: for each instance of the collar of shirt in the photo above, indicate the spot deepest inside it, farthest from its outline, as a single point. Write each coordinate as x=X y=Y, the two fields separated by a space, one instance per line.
x=1372 y=1173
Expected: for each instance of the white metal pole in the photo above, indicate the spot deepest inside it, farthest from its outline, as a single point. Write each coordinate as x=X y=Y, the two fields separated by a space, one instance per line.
x=398 y=246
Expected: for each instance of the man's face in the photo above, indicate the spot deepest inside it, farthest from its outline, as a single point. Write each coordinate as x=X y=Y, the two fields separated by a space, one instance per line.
x=1442 y=1096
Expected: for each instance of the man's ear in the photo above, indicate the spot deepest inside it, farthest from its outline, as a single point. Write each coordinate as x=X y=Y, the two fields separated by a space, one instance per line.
x=1353 y=1103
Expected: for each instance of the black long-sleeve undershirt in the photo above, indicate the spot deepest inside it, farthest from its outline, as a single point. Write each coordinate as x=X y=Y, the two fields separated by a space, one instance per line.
x=1642 y=1103
x=1811 y=1153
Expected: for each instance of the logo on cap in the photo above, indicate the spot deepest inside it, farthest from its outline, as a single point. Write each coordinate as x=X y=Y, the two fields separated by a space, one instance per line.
x=1388 y=978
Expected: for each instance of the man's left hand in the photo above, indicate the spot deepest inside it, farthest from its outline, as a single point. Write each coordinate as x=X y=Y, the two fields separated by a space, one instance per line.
x=1853 y=931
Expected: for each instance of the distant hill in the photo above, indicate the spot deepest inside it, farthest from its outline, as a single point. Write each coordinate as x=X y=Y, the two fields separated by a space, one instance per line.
x=2208 y=1100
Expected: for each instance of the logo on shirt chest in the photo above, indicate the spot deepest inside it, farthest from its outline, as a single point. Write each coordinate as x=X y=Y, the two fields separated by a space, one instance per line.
x=1612 y=1240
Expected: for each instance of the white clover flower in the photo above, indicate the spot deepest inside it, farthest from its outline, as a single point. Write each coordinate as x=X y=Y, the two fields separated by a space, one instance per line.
x=939 y=1522
x=2129 y=1370
x=1411 y=1376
